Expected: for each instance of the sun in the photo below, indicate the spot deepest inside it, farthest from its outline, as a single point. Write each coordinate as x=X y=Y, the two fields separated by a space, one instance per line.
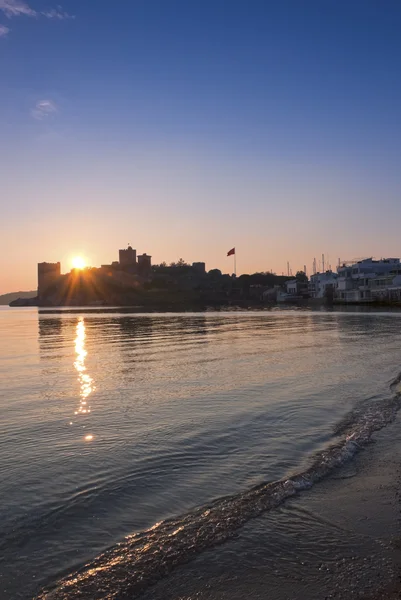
x=78 y=262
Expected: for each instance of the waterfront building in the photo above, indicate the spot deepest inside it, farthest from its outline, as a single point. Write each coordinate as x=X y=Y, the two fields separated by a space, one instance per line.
x=295 y=290
x=295 y=287
x=385 y=288
x=356 y=281
x=323 y=285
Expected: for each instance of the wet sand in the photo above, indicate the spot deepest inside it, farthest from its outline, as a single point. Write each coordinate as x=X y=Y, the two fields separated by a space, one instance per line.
x=363 y=501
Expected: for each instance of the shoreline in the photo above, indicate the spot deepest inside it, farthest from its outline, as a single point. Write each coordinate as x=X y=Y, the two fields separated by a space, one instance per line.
x=347 y=546
x=202 y=307
x=343 y=546
x=338 y=308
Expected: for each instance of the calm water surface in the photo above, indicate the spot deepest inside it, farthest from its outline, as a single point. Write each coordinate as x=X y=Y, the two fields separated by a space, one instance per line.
x=113 y=422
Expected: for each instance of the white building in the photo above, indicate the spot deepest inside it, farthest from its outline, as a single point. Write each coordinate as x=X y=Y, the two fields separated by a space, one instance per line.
x=385 y=288
x=323 y=285
x=292 y=287
x=295 y=287
x=356 y=282
x=295 y=290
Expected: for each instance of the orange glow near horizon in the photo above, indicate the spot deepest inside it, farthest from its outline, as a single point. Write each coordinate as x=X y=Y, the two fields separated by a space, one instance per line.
x=78 y=262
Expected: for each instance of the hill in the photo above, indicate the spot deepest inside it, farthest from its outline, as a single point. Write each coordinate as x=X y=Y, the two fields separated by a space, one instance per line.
x=5 y=299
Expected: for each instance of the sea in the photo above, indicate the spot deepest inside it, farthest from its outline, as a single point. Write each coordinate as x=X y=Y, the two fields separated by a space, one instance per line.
x=163 y=455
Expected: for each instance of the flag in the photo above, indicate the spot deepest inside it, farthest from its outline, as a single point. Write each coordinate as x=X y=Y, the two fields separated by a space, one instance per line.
x=231 y=252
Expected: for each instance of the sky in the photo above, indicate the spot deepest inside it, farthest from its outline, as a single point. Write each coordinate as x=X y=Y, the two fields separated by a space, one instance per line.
x=188 y=127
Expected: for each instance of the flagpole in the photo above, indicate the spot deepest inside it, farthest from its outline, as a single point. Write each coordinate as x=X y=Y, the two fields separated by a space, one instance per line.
x=235 y=262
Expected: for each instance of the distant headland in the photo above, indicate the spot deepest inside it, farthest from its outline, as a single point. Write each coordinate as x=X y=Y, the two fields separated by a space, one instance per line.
x=11 y=297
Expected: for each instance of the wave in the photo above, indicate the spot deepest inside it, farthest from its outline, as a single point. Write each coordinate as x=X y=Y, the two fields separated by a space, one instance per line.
x=142 y=559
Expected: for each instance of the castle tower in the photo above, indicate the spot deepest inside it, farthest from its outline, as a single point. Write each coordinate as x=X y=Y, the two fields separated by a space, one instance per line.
x=48 y=273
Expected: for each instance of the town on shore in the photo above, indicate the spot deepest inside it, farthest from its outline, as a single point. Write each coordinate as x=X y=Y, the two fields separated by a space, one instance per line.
x=133 y=281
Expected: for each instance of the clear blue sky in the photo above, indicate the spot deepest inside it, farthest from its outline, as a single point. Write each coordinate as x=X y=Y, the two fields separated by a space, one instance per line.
x=187 y=127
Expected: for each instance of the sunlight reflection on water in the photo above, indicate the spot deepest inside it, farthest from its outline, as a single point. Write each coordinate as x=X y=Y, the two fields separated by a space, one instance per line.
x=86 y=382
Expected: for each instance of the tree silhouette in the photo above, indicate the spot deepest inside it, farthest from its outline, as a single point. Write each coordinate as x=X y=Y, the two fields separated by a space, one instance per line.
x=301 y=276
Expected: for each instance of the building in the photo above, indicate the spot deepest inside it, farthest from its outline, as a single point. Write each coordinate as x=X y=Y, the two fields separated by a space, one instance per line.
x=127 y=259
x=128 y=263
x=144 y=265
x=356 y=281
x=298 y=288
x=295 y=291
x=48 y=273
x=272 y=294
x=110 y=269
x=385 y=288
x=199 y=267
x=323 y=285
